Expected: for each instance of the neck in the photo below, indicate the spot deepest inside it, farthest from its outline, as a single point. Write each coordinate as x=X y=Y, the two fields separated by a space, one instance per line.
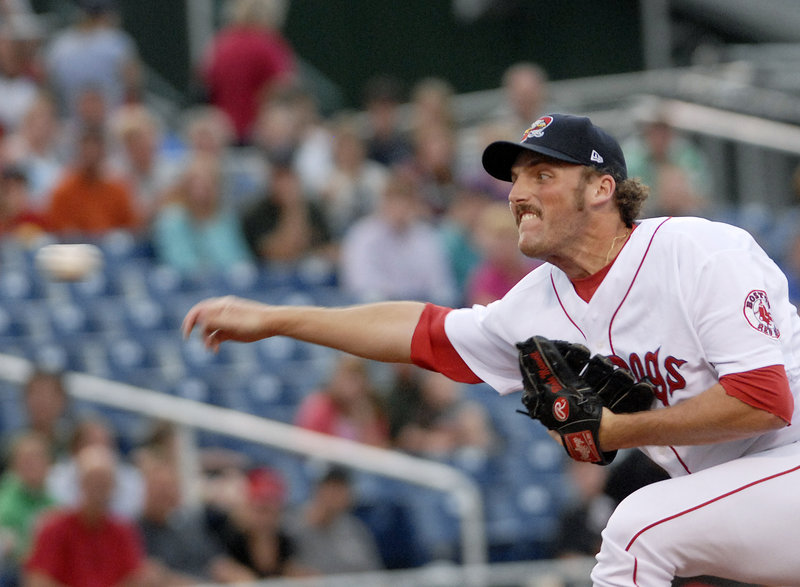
x=594 y=253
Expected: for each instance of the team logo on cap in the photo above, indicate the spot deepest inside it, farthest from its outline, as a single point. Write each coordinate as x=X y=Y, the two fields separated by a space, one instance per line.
x=537 y=128
x=757 y=312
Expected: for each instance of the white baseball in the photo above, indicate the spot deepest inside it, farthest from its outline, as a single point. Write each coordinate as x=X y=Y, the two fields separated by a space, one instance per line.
x=69 y=262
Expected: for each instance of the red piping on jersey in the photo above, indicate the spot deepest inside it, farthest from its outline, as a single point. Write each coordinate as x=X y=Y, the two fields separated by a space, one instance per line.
x=563 y=309
x=630 y=287
x=680 y=460
x=635 y=570
x=709 y=502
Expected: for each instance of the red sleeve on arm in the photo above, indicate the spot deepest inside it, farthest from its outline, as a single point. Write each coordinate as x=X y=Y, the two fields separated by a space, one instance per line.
x=431 y=349
x=766 y=389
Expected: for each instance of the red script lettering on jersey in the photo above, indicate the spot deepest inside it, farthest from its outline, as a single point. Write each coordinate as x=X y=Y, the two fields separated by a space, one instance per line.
x=665 y=376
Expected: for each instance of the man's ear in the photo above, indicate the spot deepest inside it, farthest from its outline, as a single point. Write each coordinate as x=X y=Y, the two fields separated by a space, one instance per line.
x=604 y=189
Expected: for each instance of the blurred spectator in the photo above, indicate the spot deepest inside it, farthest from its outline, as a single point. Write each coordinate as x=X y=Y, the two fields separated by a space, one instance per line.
x=657 y=148
x=47 y=412
x=27 y=30
x=247 y=59
x=253 y=534
x=196 y=231
x=138 y=159
x=432 y=104
x=277 y=128
x=458 y=228
x=159 y=443
x=525 y=87
x=347 y=406
x=23 y=497
x=289 y=126
x=676 y=194
x=471 y=143
x=87 y=544
x=285 y=226
x=582 y=521
x=394 y=253
x=330 y=538
x=18 y=218
x=434 y=163
x=313 y=154
x=208 y=131
x=434 y=420
x=503 y=265
x=180 y=548
x=85 y=201
x=91 y=111
x=355 y=184
x=63 y=481
x=387 y=142
x=17 y=89
x=35 y=148
x=94 y=52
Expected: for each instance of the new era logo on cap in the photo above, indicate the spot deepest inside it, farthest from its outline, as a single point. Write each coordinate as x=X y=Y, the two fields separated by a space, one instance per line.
x=565 y=137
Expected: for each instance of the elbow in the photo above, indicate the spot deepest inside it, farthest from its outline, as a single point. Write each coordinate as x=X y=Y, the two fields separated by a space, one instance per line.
x=774 y=422
x=763 y=421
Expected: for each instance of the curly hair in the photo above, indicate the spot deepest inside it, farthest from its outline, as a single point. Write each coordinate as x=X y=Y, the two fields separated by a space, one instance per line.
x=629 y=196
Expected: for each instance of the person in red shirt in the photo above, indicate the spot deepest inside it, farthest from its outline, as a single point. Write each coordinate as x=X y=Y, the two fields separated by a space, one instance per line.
x=18 y=218
x=87 y=546
x=247 y=59
x=346 y=406
x=85 y=201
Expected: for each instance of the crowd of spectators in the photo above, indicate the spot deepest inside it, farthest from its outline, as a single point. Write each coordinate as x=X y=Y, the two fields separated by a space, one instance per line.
x=395 y=204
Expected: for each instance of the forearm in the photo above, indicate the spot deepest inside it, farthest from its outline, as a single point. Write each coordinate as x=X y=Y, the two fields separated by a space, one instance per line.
x=711 y=417
x=380 y=331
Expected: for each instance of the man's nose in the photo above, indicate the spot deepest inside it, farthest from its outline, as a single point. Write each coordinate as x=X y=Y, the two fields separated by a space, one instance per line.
x=518 y=193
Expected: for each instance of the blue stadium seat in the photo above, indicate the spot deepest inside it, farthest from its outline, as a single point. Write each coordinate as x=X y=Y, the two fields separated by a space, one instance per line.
x=18 y=284
x=142 y=313
x=434 y=519
x=193 y=388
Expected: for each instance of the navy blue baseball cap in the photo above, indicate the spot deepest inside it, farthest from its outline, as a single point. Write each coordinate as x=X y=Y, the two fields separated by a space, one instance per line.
x=565 y=137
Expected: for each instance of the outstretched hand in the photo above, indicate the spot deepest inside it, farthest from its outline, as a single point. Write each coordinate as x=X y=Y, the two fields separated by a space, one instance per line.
x=226 y=318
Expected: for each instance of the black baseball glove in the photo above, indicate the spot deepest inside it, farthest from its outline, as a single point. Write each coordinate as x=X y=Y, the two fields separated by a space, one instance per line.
x=566 y=389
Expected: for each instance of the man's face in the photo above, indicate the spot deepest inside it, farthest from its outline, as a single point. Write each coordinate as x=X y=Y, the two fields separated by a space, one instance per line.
x=548 y=201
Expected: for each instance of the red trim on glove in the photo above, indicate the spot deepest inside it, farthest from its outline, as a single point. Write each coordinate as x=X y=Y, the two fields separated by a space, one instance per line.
x=432 y=350
x=766 y=389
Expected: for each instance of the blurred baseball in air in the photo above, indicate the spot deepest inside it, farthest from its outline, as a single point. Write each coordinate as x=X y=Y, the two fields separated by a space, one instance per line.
x=69 y=262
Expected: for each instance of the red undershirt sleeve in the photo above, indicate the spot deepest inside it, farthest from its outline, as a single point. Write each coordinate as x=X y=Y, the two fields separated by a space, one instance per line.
x=766 y=389
x=432 y=350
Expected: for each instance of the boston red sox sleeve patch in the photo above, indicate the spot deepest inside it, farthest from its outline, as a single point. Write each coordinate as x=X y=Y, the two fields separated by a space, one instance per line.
x=758 y=315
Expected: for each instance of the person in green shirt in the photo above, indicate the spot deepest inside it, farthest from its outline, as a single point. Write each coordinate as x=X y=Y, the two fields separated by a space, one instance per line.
x=23 y=495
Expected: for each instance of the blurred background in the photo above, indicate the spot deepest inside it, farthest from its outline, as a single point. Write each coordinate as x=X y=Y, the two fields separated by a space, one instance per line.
x=307 y=152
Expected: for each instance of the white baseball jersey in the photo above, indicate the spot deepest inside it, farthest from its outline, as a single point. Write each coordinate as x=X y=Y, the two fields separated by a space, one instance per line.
x=687 y=301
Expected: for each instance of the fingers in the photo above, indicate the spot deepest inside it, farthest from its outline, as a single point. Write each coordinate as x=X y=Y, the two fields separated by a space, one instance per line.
x=199 y=316
x=213 y=340
x=190 y=320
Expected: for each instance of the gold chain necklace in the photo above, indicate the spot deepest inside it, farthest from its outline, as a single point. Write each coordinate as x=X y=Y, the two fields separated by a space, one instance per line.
x=614 y=243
